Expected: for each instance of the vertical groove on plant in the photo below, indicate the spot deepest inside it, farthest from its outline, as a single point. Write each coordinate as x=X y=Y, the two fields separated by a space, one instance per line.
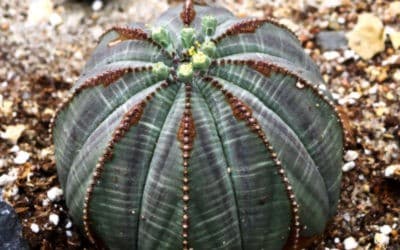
x=242 y=112
x=131 y=118
x=186 y=135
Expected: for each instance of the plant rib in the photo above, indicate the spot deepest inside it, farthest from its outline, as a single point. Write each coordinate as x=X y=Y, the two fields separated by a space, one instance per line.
x=186 y=135
x=243 y=112
x=106 y=78
x=130 y=118
x=266 y=68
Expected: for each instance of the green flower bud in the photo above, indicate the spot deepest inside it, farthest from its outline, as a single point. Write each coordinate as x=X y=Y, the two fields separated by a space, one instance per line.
x=188 y=37
x=161 y=71
x=161 y=36
x=185 y=72
x=209 y=48
x=208 y=25
x=200 y=61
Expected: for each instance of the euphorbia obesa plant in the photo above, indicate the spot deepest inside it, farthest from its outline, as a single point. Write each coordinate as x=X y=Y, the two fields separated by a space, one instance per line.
x=203 y=131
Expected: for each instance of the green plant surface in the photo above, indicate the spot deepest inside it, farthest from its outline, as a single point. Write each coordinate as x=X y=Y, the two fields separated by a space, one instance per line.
x=201 y=131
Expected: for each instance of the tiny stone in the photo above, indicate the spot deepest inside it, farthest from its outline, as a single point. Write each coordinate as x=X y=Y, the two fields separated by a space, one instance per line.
x=331 y=40
x=13 y=132
x=14 y=149
x=54 y=193
x=55 y=19
x=21 y=157
x=348 y=166
x=68 y=233
x=97 y=5
x=68 y=225
x=346 y=217
x=45 y=202
x=350 y=243
x=351 y=155
x=331 y=55
x=385 y=229
x=35 y=228
x=54 y=218
x=392 y=171
x=10 y=177
x=381 y=239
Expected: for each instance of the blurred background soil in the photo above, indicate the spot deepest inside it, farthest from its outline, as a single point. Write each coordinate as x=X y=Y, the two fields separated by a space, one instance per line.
x=45 y=43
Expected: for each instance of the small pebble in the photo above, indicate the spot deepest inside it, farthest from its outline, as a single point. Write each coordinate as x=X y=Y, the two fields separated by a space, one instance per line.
x=54 y=218
x=35 y=228
x=54 y=193
x=97 y=5
x=381 y=239
x=348 y=166
x=331 y=40
x=45 y=202
x=392 y=171
x=55 y=19
x=350 y=243
x=68 y=225
x=21 y=157
x=351 y=155
x=331 y=55
x=385 y=229
x=10 y=177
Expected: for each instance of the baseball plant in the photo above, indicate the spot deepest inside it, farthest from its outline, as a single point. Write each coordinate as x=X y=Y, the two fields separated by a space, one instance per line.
x=201 y=131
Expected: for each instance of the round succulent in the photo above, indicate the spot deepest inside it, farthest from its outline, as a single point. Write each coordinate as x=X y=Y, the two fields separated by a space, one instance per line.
x=202 y=131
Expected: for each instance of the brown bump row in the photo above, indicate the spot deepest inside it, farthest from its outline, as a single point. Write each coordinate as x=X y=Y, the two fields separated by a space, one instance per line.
x=186 y=135
x=126 y=33
x=250 y=26
x=266 y=68
x=131 y=33
x=243 y=112
x=130 y=118
x=105 y=78
x=188 y=13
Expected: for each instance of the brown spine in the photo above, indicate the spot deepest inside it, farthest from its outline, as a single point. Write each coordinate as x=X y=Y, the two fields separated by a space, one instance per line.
x=127 y=33
x=186 y=135
x=243 y=112
x=250 y=26
x=188 y=13
x=130 y=118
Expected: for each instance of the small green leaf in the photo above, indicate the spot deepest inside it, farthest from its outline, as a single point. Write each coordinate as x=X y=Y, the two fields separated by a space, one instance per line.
x=208 y=48
x=188 y=37
x=208 y=25
x=185 y=71
x=161 y=36
x=160 y=70
x=200 y=61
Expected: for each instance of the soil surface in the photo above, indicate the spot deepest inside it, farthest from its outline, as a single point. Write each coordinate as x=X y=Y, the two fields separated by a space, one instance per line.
x=45 y=43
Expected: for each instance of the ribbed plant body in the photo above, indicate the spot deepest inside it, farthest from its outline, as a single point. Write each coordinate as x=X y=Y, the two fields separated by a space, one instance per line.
x=201 y=131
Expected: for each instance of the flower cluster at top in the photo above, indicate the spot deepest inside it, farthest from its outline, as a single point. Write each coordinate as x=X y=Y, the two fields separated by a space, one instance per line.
x=197 y=56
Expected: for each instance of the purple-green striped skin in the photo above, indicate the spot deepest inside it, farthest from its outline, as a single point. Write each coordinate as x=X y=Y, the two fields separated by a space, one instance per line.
x=244 y=152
